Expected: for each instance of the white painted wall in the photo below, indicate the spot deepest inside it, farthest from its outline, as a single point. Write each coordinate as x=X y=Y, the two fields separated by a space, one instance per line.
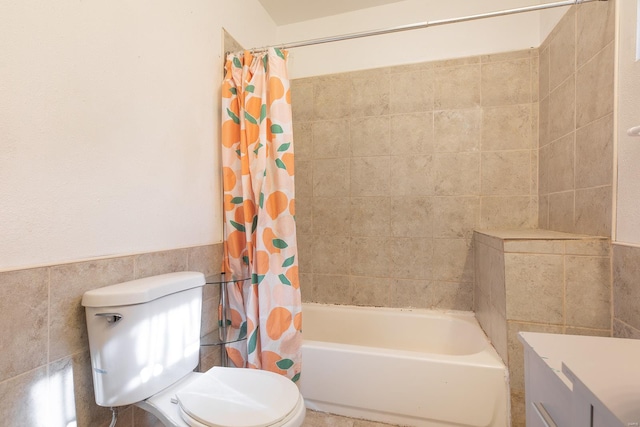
x=628 y=148
x=485 y=36
x=109 y=124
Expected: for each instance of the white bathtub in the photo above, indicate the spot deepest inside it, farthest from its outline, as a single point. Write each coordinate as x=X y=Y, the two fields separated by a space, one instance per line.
x=409 y=367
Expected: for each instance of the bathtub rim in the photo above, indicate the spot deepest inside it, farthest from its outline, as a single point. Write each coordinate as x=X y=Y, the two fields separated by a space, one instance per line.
x=487 y=357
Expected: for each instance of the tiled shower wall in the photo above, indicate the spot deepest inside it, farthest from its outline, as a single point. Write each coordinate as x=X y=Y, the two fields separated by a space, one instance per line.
x=45 y=370
x=396 y=167
x=576 y=121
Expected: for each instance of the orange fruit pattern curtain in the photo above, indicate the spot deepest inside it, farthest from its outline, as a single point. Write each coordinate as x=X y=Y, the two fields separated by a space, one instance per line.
x=259 y=208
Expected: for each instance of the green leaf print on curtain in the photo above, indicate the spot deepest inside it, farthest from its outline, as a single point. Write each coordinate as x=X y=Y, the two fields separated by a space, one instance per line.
x=259 y=213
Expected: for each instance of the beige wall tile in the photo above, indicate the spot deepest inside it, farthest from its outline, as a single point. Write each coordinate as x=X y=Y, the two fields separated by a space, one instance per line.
x=411 y=258
x=594 y=153
x=557 y=165
x=518 y=409
x=411 y=175
x=626 y=292
x=592 y=247
x=304 y=214
x=535 y=246
x=331 y=216
x=455 y=216
x=451 y=296
x=533 y=171
x=487 y=237
x=489 y=271
x=306 y=287
x=370 y=291
x=507 y=128
x=331 y=98
x=370 y=216
x=411 y=91
x=507 y=212
x=457 y=87
x=411 y=216
x=543 y=212
x=594 y=87
x=622 y=330
x=330 y=139
x=593 y=211
x=569 y=330
x=370 y=176
x=67 y=325
x=331 y=178
x=535 y=79
x=24 y=304
x=303 y=139
x=71 y=377
x=457 y=130
x=534 y=287
x=543 y=122
x=453 y=260
x=304 y=178
x=562 y=50
x=154 y=263
x=210 y=356
x=561 y=211
x=588 y=290
x=596 y=29
x=331 y=289
x=24 y=399
x=370 y=136
x=506 y=82
x=457 y=174
x=409 y=293
x=482 y=310
x=506 y=173
x=370 y=94
x=499 y=335
x=205 y=259
x=209 y=319
x=412 y=133
x=562 y=109
x=331 y=255
x=305 y=253
x=371 y=256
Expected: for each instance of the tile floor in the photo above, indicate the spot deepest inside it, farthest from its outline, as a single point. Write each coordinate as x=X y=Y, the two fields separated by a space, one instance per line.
x=320 y=419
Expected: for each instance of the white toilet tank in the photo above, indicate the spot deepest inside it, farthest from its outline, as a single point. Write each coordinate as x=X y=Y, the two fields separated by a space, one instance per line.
x=144 y=335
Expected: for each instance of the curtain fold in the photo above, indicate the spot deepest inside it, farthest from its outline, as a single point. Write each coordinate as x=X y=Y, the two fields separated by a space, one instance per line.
x=259 y=208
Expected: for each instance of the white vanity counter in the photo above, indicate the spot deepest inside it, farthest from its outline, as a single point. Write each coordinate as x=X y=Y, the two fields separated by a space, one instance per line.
x=581 y=380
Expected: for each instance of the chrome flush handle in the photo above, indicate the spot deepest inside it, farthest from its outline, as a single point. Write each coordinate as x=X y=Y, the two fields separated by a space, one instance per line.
x=111 y=317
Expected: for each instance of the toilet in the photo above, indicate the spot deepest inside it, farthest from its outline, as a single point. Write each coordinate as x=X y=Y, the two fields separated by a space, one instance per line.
x=144 y=339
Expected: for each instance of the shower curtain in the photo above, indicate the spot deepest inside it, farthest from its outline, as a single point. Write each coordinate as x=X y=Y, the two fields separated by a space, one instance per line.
x=259 y=208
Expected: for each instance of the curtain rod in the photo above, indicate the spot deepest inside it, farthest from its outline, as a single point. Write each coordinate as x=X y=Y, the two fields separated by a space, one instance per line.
x=421 y=25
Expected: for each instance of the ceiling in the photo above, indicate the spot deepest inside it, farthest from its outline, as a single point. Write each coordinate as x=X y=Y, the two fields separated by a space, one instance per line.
x=291 y=11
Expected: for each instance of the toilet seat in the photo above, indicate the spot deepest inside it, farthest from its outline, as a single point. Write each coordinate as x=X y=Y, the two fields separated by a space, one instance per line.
x=233 y=397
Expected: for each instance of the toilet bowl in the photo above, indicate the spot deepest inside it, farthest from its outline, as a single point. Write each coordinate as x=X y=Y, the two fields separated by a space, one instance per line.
x=229 y=397
x=144 y=340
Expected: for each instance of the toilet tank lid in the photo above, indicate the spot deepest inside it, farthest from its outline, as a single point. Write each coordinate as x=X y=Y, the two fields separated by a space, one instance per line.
x=142 y=290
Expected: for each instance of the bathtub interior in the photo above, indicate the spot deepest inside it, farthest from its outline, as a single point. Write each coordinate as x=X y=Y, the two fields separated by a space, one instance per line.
x=425 y=331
